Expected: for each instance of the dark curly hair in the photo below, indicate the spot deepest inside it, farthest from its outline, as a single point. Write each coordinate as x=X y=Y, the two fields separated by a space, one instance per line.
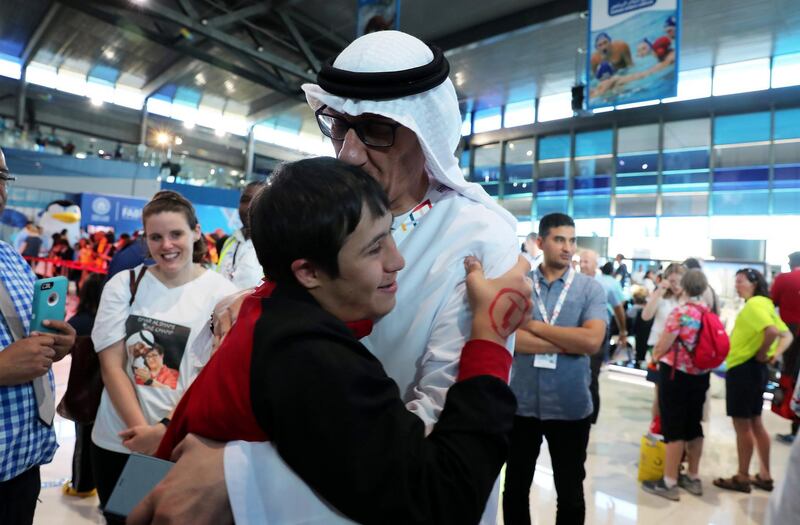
x=757 y=278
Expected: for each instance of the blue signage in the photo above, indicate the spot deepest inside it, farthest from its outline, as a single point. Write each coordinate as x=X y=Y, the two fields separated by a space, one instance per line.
x=618 y=7
x=124 y=214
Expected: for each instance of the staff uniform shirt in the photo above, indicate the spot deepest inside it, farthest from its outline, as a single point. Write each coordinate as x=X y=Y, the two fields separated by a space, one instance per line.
x=786 y=296
x=25 y=441
x=418 y=343
x=748 y=331
x=175 y=317
x=238 y=262
x=561 y=393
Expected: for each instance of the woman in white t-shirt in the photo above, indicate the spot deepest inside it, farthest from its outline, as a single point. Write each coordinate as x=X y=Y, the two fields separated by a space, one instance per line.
x=660 y=304
x=147 y=350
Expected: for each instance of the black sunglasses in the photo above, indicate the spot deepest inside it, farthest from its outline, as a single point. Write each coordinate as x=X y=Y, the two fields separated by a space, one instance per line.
x=375 y=133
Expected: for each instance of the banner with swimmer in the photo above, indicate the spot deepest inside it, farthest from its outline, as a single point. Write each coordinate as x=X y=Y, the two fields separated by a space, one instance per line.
x=377 y=15
x=632 y=51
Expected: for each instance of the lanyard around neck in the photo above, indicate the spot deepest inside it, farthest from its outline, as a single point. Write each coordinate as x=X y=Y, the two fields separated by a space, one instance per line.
x=561 y=298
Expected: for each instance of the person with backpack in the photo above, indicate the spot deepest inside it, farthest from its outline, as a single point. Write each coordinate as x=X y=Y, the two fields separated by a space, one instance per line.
x=682 y=351
x=759 y=337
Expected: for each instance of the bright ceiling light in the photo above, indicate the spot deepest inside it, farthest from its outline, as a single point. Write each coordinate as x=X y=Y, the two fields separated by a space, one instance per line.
x=219 y=132
x=178 y=141
x=162 y=138
x=96 y=102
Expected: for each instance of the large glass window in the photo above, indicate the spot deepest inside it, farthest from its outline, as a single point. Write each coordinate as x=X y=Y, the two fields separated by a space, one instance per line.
x=692 y=84
x=685 y=174
x=786 y=176
x=741 y=173
x=519 y=168
x=637 y=171
x=552 y=175
x=786 y=70
x=486 y=170
x=519 y=113
x=554 y=107
x=487 y=120
x=591 y=194
x=741 y=77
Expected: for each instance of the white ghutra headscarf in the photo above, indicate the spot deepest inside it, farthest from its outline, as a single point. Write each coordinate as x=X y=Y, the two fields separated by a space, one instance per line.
x=432 y=115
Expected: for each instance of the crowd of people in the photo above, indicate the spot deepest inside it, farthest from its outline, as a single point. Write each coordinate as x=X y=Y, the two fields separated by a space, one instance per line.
x=370 y=347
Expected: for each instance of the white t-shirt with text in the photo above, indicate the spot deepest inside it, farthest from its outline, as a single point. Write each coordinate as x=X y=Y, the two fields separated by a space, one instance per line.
x=161 y=333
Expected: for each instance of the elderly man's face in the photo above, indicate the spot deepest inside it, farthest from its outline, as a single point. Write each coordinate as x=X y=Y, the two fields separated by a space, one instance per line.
x=398 y=168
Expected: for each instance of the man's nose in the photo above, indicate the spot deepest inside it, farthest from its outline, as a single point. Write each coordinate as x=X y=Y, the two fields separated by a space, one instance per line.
x=353 y=151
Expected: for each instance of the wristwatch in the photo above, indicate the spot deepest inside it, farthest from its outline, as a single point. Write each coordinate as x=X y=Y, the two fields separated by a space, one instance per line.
x=149 y=382
x=165 y=421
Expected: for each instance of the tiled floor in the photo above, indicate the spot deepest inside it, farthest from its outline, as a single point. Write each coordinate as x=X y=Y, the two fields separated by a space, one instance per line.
x=613 y=495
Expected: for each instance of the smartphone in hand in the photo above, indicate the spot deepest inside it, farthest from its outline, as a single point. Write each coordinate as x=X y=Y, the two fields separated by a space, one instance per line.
x=49 y=302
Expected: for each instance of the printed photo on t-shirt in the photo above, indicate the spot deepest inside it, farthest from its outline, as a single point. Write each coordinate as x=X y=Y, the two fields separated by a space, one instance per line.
x=155 y=350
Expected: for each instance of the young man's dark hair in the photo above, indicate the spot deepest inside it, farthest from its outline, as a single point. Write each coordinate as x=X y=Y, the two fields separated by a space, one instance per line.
x=607 y=268
x=794 y=260
x=313 y=205
x=554 y=220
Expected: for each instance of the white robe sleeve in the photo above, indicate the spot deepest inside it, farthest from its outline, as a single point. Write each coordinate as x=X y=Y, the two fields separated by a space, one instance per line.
x=450 y=332
x=257 y=479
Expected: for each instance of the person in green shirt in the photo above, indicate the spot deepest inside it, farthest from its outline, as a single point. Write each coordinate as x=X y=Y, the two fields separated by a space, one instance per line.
x=759 y=337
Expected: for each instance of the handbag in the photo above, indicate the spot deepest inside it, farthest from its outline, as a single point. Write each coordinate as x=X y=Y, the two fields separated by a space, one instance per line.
x=85 y=383
x=782 y=398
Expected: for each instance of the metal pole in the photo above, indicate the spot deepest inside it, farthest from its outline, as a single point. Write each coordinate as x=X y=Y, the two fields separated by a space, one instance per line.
x=22 y=93
x=250 y=155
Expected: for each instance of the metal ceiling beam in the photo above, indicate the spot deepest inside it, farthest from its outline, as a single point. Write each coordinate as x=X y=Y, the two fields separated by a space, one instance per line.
x=173 y=71
x=239 y=15
x=299 y=40
x=37 y=38
x=512 y=22
x=270 y=105
x=157 y=11
x=189 y=9
x=124 y=21
x=319 y=28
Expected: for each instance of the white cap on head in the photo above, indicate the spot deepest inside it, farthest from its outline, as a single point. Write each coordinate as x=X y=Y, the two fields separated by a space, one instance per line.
x=432 y=115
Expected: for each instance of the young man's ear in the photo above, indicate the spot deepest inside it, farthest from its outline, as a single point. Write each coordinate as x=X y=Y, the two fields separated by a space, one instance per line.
x=306 y=273
x=539 y=241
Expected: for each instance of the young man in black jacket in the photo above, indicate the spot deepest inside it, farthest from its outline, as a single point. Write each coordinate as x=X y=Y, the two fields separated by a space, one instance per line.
x=292 y=369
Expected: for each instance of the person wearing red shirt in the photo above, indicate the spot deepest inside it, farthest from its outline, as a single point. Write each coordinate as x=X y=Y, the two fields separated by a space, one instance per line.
x=786 y=296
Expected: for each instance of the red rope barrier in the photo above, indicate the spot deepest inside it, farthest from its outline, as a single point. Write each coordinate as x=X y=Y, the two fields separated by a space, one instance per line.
x=72 y=265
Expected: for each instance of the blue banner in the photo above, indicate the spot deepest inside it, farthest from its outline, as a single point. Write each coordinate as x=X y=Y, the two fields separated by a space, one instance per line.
x=377 y=15
x=633 y=48
x=124 y=214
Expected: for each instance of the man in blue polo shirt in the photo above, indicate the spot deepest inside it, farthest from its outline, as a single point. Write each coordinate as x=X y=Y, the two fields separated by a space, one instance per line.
x=551 y=376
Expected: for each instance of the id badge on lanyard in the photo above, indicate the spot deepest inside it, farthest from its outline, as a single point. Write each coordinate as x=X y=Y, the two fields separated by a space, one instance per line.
x=550 y=361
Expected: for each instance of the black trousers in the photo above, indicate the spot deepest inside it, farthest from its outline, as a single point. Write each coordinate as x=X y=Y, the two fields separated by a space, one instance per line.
x=107 y=467
x=567 y=441
x=18 y=498
x=82 y=475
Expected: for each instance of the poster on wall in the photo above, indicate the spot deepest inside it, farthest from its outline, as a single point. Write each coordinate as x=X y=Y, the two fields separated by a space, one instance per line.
x=633 y=51
x=377 y=15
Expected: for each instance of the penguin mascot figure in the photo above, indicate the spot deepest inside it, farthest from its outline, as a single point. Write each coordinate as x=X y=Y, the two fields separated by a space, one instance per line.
x=58 y=216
